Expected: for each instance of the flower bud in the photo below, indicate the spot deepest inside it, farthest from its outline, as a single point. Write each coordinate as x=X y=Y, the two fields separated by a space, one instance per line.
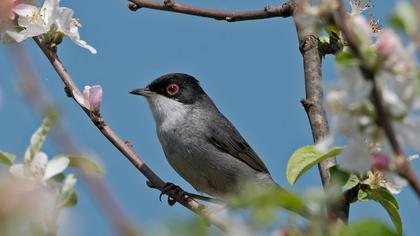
x=93 y=96
x=388 y=42
x=380 y=161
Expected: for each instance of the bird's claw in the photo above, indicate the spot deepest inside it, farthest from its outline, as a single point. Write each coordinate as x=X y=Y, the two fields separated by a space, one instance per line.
x=171 y=189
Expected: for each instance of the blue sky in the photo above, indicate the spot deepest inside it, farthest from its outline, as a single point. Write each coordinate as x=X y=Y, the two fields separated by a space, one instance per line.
x=252 y=70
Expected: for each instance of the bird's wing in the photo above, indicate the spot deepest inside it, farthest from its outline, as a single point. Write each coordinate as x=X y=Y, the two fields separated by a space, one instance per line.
x=224 y=136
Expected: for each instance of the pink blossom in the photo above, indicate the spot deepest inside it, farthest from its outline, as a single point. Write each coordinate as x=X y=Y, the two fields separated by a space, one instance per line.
x=91 y=98
x=388 y=42
x=380 y=161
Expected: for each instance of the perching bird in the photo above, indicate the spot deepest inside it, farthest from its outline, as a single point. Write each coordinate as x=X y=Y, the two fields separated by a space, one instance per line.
x=199 y=142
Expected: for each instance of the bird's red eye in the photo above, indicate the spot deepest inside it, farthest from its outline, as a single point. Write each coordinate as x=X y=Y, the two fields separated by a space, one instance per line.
x=172 y=89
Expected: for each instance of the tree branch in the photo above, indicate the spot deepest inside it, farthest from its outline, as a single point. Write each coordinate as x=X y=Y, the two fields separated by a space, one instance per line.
x=312 y=53
x=284 y=10
x=403 y=165
x=124 y=147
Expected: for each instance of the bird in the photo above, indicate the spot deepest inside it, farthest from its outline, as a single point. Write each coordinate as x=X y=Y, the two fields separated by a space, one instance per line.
x=199 y=142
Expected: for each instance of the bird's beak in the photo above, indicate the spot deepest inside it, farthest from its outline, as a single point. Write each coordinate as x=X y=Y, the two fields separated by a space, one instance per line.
x=143 y=92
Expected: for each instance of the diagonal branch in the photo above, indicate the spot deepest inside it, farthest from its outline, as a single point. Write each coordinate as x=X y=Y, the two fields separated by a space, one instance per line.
x=284 y=10
x=124 y=147
x=99 y=190
x=403 y=164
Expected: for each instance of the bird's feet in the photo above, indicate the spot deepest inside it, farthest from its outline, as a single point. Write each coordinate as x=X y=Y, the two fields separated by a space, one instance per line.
x=173 y=191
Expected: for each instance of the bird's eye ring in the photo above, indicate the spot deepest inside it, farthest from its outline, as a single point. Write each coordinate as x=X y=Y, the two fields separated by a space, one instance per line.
x=172 y=89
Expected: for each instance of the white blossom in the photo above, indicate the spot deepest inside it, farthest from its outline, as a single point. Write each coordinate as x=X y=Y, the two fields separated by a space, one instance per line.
x=40 y=169
x=36 y=21
x=393 y=183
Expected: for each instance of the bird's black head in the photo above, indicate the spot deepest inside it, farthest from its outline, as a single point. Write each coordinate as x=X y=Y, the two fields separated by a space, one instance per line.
x=181 y=87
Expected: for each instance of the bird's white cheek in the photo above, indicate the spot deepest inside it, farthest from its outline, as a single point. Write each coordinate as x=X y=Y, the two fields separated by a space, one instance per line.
x=167 y=112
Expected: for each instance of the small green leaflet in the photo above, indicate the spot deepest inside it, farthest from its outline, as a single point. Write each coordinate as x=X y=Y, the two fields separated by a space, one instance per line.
x=86 y=164
x=365 y=227
x=38 y=138
x=362 y=195
x=68 y=197
x=388 y=201
x=305 y=158
x=7 y=158
x=405 y=18
x=346 y=57
x=352 y=181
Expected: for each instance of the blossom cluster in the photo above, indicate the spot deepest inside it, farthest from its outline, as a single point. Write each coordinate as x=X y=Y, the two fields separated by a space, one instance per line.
x=40 y=178
x=353 y=112
x=22 y=19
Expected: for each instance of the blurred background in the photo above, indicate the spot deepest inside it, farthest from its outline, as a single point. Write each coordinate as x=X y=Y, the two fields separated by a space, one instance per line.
x=253 y=71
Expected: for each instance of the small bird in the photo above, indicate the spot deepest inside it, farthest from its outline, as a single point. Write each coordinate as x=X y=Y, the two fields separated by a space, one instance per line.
x=199 y=142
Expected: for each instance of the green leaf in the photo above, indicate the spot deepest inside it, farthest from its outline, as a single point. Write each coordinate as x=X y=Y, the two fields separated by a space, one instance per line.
x=265 y=201
x=70 y=201
x=86 y=164
x=405 y=17
x=304 y=159
x=388 y=201
x=363 y=228
x=346 y=57
x=68 y=197
x=324 y=39
x=338 y=177
x=352 y=181
x=362 y=195
x=38 y=138
x=59 y=178
x=333 y=32
x=397 y=22
x=7 y=158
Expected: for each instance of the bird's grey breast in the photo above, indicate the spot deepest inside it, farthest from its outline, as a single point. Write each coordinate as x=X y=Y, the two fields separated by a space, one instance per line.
x=186 y=149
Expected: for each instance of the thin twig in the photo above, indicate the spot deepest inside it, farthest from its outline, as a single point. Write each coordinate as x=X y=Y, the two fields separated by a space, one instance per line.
x=403 y=165
x=284 y=10
x=122 y=146
x=312 y=53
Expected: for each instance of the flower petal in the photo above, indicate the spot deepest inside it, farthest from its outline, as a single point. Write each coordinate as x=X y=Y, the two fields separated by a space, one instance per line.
x=80 y=99
x=39 y=163
x=84 y=44
x=95 y=97
x=394 y=183
x=65 y=19
x=25 y=10
x=49 y=11
x=18 y=170
x=55 y=166
x=17 y=37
